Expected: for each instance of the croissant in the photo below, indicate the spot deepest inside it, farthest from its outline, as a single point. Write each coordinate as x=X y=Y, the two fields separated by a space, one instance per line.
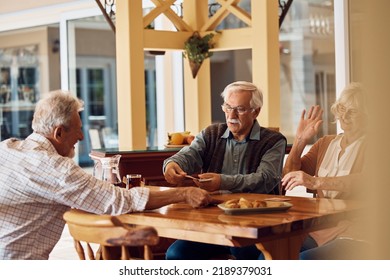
x=232 y=203
x=244 y=203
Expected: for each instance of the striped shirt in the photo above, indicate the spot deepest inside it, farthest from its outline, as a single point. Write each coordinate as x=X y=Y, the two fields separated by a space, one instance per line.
x=37 y=186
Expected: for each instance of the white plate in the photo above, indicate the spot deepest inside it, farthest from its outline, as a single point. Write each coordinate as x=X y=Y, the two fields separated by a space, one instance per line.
x=234 y=211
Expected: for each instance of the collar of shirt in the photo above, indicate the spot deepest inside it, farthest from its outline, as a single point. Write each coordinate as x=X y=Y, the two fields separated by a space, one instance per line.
x=42 y=141
x=254 y=134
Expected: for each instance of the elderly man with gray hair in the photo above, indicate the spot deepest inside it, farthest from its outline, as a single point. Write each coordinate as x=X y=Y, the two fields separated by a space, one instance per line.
x=236 y=156
x=39 y=182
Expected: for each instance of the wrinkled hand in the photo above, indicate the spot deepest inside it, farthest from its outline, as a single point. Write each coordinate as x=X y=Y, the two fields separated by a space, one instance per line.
x=298 y=178
x=174 y=174
x=308 y=127
x=211 y=186
x=196 y=197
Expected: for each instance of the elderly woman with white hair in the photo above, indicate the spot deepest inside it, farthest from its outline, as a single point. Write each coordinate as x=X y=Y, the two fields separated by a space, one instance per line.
x=332 y=168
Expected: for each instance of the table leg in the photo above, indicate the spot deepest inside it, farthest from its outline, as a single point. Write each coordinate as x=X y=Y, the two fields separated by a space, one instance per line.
x=266 y=254
x=285 y=248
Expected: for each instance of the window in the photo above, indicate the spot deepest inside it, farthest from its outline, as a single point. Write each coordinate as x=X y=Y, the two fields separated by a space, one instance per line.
x=25 y=72
x=307 y=64
x=92 y=75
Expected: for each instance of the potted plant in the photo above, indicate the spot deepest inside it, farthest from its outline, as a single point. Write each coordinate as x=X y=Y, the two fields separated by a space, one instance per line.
x=196 y=49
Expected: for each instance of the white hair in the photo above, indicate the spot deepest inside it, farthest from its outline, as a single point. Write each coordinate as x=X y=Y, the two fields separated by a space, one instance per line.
x=54 y=110
x=257 y=96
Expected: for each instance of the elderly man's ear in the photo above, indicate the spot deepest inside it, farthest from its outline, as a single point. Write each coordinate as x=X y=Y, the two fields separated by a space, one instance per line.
x=58 y=133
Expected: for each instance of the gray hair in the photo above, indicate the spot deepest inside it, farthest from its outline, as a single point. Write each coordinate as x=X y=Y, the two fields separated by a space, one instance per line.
x=54 y=110
x=257 y=96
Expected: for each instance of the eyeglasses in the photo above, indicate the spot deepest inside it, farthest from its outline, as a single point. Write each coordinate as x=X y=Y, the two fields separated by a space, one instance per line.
x=342 y=110
x=239 y=110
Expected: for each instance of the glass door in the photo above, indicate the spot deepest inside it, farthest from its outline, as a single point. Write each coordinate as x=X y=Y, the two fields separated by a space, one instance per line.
x=91 y=75
x=90 y=60
x=96 y=85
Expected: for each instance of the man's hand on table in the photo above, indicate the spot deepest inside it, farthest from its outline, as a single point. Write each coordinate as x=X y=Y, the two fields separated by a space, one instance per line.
x=196 y=197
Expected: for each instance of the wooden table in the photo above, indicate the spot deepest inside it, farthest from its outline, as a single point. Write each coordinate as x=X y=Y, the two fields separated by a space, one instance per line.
x=281 y=233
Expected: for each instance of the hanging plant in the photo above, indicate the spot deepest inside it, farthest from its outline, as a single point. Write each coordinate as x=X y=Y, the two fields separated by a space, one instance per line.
x=196 y=49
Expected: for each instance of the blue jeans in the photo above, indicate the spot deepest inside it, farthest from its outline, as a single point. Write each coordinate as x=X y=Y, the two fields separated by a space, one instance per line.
x=189 y=250
x=308 y=243
x=338 y=249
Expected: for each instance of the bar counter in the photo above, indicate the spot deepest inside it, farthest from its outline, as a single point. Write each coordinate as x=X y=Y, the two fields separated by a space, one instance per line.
x=147 y=162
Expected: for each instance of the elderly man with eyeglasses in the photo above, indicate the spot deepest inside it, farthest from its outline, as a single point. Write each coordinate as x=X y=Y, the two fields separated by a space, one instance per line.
x=237 y=156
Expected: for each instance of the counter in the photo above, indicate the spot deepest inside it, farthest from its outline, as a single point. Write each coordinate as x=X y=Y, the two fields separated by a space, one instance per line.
x=147 y=162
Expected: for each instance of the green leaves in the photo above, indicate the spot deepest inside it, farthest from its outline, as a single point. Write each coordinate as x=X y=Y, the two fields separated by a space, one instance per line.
x=196 y=48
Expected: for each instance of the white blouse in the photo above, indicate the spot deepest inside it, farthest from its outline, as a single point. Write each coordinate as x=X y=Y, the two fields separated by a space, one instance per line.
x=332 y=166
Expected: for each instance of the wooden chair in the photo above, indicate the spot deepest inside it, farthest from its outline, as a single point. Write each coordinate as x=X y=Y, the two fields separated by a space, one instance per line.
x=110 y=233
x=274 y=128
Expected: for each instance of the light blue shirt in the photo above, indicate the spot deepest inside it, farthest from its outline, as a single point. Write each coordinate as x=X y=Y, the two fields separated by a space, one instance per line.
x=233 y=175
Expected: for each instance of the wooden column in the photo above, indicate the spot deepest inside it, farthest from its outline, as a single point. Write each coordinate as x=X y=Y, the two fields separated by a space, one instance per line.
x=265 y=59
x=130 y=75
x=197 y=95
x=261 y=35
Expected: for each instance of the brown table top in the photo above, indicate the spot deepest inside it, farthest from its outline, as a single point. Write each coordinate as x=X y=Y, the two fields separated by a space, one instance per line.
x=212 y=225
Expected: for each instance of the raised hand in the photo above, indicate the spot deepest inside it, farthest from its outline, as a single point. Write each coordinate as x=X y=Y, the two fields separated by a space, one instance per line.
x=308 y=127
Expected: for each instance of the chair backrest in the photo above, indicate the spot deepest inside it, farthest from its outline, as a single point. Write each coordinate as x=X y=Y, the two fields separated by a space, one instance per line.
x=273 y=128
x=110 y=233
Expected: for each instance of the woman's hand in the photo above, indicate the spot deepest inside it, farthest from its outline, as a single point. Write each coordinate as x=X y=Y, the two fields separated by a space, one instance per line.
x=308 y=127
x=298 y=178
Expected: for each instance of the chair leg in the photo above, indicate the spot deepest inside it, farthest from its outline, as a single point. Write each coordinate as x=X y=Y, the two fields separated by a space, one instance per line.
x=125 y=255
x=105 y=253
x=79 y=249
x=91 y=255
x=148 y=255
x=99 y=254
